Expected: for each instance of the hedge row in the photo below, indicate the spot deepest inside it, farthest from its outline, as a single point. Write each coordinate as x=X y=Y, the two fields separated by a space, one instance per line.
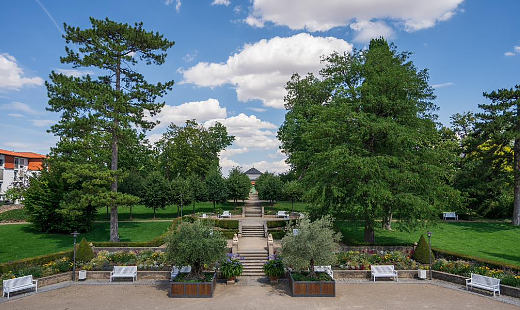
x=276 y=224
x=29 y=262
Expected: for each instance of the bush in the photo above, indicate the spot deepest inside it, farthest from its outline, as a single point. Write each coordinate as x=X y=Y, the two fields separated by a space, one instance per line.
x=274 y=268
x=277 y=234
x=231 y=267
x=16 y=215
x=421 y=253
x=34 y=261
x=227 y=224
x=84 y=252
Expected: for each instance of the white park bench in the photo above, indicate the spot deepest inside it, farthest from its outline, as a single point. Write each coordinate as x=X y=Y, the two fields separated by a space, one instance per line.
x=450 y=215
x=483 y=282
x=282 y=214
x=124 y=272
x=383 y=271
x=176 y=271
x=226 y=214
x=19 y=284
x=326 y=269
x=204 y=216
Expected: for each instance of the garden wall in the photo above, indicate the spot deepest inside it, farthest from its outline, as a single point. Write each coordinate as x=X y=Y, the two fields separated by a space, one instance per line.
x=126 y=249
x=375 y=248
x=365 y=274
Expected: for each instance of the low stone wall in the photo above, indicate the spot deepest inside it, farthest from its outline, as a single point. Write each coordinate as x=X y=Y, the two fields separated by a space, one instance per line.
x=365 y=274
x=504 y=289
x=55 y=278
x=141 y=275
x=367 y=248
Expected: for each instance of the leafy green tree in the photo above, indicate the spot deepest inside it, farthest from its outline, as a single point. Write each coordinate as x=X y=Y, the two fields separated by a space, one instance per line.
x=238 y=185
x=192 y=149
x=293 y=191
x=133 y=184
x=216 y=187
x=314 y=244
x=364 y=140
x=181 y=193
x=269 y=187
x=103 y=112
x=196 y=245
x=499 y=126
x=156 y=193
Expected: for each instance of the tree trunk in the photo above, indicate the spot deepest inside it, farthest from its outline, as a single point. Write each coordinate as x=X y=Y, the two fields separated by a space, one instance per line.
x=312 y=273
x=193 y=207
x=196 y=271
x=370 y=236
x=130 y=213
x=292 y=204
x=178 y=211
x=516 y=211
x=387 y=221
x=214 y=205
x=108 y=214
x=114 y=227
x=154 y=213
x=182 y=205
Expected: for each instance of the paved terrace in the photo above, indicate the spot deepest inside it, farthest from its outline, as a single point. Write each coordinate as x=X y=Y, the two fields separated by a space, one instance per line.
x=385 y=295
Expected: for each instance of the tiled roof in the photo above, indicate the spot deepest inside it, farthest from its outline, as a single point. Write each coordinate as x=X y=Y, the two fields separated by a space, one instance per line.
x=253 y=171
x=22 y=154
x=35 y=166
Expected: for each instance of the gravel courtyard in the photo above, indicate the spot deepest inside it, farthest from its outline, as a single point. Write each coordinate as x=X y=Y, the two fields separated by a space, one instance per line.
x=349 y=296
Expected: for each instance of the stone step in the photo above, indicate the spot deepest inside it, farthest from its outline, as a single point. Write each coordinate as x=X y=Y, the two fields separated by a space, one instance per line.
x=253 y=252
x=253 y=274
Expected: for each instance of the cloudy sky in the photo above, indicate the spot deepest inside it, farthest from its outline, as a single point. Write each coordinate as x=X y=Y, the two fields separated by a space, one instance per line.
x=232 y=58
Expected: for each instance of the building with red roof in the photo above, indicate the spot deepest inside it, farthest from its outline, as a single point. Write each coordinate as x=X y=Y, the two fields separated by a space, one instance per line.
x=17 y=167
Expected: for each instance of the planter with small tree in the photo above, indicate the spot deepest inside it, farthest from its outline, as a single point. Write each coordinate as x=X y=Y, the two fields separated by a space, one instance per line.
x=314 y=244
x=199 y=246
x=274 y=269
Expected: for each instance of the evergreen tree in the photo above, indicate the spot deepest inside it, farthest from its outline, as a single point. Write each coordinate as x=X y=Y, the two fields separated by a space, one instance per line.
x=101 y=112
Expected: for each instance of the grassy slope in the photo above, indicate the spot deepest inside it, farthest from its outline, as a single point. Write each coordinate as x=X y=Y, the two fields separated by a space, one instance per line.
x=22 y=240
x=494 y=241
x=17 y=215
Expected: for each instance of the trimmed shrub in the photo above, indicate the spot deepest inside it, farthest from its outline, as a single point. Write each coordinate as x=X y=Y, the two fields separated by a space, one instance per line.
x=227 y=224
x=421 y=253
x=33 y=261
x=84 y=252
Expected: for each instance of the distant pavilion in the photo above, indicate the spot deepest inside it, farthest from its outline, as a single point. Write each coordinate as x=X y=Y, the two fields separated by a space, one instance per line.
x=253 y=174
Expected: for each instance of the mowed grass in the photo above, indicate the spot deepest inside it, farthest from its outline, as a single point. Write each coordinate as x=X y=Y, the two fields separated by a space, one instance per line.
x=140 y=212
x=286 y=206
x=498 y=242
x=20 y=241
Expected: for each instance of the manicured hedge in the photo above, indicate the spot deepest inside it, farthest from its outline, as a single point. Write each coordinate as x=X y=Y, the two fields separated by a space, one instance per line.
x=229 y=233
x=33 y=261
x=277 y=234
x=16 y=215
x=275 y=224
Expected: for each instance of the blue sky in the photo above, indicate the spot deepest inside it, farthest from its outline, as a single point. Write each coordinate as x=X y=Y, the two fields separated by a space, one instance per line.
x=232 y=57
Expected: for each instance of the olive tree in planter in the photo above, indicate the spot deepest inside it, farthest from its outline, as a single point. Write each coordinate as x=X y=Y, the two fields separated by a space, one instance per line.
x=314 y=244
x=197 y=245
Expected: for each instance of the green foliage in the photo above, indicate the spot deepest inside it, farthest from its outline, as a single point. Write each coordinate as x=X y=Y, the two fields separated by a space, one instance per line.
x=14 y=193
x=196 y=245
x=364 y=138
x=181 y=193
x=274 y=268
x=293 y=191
x=231 y=267
x=14 y=266
x=354 y=260
x=315 y=244
x=84 y=252
x=192 y=149
x=269 y=187
x=238 y=185
x=157 y=191
x=216 y=187
x=16 y=215
x=422 y=252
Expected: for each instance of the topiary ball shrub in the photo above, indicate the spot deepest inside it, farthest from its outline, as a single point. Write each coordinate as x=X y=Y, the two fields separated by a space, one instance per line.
x=84 y=252
x=421 y=252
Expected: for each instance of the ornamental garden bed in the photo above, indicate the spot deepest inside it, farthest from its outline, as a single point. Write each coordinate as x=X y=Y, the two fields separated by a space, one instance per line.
x=303 y=286
x=184 y=288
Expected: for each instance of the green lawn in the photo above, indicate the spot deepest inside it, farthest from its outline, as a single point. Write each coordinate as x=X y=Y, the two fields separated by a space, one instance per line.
x=22 y=240
x=493 y=241
x=286 y=206
x=141 y=212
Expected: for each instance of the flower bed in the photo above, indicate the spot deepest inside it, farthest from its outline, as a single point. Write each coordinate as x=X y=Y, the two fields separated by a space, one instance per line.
x=144 y=260
x=354 y=260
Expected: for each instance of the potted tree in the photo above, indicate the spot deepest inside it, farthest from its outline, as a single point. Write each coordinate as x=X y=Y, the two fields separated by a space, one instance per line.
x=274 y=269
x=314 y=244
x=231 y=268
x=199 y=246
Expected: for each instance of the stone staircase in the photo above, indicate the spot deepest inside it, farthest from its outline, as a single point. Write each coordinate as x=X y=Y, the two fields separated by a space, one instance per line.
x=253 y=231
x=254 y=261
x=253 y=211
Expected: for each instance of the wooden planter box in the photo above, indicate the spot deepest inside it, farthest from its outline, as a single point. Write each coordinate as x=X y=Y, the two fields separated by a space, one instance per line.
x=193 y=289
x=312 y=288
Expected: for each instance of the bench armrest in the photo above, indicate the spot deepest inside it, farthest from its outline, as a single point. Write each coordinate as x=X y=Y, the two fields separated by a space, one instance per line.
x=468 y=280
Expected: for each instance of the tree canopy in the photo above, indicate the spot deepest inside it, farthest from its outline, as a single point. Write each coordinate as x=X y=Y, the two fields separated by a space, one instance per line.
x=238 y=185
x=269 y=187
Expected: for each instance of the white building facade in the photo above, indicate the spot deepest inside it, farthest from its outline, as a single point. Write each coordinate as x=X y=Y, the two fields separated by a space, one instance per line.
x=16 y=168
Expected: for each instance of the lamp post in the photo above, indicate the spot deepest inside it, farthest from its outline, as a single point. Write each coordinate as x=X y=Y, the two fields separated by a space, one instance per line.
x=429 y=233
x=75 y=234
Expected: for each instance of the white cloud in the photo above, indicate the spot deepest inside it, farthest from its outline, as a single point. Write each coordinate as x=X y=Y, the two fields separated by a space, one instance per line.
x=509 y=54
x=74 y=72
x=249 y=131
x=154 y=137
x=326 y=14
x=259 y=110
x=367 y=30
x=264 y=166
x=12 y=76
x=261 y=70
x=237 y=9
x=199 y=110
x=189 y=57
x=177 y=4
x=254 y=22
x=442 y=85
x=16 y=115
x=517 y=49
x=18 y=106
x=277 y=154
x=221 y=2
x=42 y=122
x=233 y=151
